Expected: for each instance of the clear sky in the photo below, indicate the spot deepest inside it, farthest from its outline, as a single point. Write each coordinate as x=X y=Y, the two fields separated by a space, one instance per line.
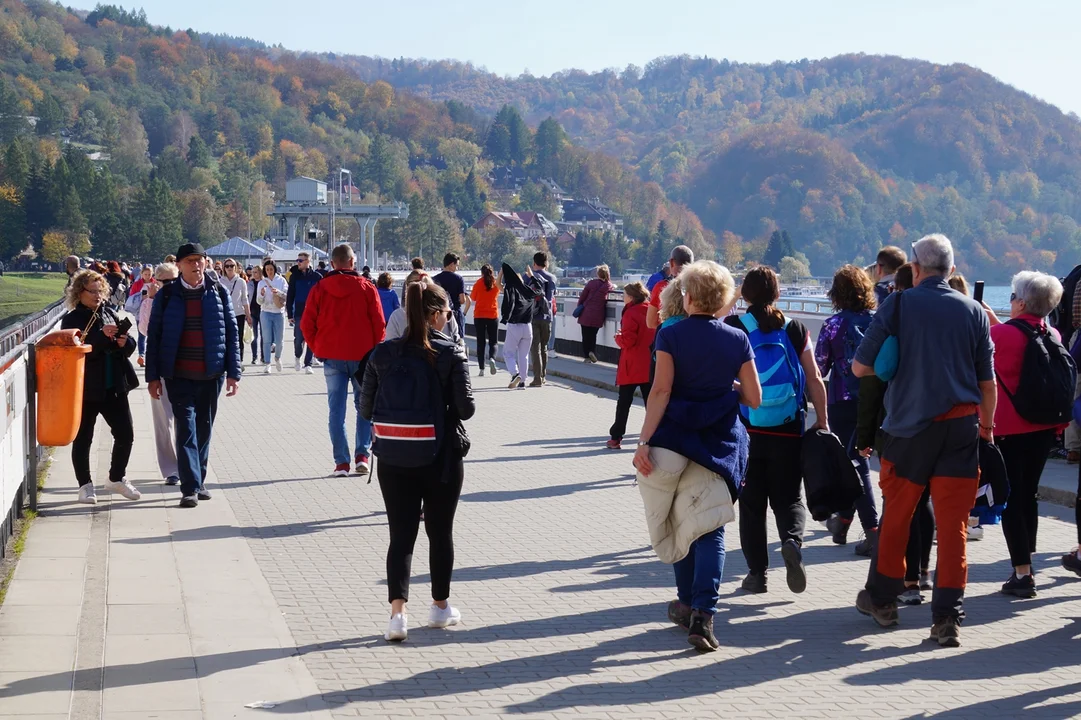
x=1031 y=44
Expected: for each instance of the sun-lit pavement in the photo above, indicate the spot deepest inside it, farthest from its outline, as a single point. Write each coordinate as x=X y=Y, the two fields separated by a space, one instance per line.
x=561 y=597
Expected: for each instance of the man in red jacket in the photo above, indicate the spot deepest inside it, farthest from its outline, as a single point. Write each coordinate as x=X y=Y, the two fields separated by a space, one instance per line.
x=342 y=322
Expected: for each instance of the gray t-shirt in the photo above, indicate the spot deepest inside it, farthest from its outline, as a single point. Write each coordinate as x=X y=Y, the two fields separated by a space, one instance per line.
x=945 y=352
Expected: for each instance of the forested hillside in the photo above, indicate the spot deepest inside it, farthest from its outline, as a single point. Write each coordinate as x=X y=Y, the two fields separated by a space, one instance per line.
x=120 y=138
x=845 y=153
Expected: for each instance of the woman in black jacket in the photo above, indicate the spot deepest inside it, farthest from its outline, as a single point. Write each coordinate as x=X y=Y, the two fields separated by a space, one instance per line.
x=393 y=399
x=108 y=377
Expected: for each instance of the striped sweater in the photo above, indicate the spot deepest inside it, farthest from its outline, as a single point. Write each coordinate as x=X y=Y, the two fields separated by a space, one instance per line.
x=191 y=355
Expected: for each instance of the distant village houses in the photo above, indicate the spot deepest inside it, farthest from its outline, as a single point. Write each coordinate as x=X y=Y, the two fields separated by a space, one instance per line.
x=526 y=225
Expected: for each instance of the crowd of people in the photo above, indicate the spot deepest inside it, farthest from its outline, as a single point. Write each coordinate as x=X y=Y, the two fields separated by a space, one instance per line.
x=957 y=409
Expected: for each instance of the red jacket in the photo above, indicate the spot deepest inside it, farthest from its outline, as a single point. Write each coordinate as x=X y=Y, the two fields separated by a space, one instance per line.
x=634 y=340
x=343 y=318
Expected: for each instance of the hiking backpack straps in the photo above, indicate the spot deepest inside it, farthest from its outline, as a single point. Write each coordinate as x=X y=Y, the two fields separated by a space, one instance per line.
x=1045 y=390
x=780 y=373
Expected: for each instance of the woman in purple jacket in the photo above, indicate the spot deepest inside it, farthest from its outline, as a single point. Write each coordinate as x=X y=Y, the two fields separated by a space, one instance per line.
x=594 y=310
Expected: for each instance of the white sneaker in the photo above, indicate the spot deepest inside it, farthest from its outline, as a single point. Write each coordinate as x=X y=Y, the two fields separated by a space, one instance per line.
x=443 y=617
x=316 y=363
x=297 y=366
x=491 y=365
x=278 y=365
x=308 y=370
x=398 y=629
x=88 y=495
x=266 y=370
x=124 y=488
x=975 y=533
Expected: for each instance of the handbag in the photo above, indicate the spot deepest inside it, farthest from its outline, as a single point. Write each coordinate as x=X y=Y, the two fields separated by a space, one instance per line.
x=248 y=335
x=577 y=312
x=889 y=355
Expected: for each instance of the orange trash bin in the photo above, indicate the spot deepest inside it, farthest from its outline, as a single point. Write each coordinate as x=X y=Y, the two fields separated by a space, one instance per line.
x=60 y=366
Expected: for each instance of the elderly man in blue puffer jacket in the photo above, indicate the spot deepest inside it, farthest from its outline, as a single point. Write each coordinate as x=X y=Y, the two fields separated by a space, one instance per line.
x=192 y=345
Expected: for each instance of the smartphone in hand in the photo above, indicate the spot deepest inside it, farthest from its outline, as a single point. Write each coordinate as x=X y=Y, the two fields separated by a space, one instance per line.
x=977 y=292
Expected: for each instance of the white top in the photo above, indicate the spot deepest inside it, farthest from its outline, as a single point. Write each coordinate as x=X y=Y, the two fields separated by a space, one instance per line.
x=398 y=323
x=267 y=288
x=238 y=291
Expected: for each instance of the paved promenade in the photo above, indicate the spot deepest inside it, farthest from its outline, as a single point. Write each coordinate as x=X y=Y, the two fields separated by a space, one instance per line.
x=274 y=592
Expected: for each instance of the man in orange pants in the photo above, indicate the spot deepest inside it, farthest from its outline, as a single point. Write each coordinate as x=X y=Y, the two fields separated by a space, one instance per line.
x=939 y=403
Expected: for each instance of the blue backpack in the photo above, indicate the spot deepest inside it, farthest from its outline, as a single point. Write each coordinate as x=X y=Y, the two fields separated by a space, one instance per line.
x=781 y=375
x=855 y=327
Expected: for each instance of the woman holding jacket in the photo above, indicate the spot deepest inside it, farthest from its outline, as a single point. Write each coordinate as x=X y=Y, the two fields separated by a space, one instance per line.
x=635 y=340
x=436 y=486
x=517 y=314
x=594 y=310
x=108 y=377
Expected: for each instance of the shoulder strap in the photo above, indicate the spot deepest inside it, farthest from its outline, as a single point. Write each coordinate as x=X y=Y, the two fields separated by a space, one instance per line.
x=748 y=322
x=1029 y=331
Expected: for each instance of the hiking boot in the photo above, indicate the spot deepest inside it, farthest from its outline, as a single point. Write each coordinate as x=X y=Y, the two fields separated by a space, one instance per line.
x=911 y=596
x=838 y=527
x=700 y=634
x=793 y=562
x=88 y=495
x=946 y=633
x=1072 y=563
x=1022 y=587
x=363 y=468
x=515 y=381
x=680 y=614
x=613 y=445
x=884 y=615
x=123 y=487
x=754 y=583
x=866 y=546
x=189 y=501
x=341 y=470
x=491 y=366
x=537 y=382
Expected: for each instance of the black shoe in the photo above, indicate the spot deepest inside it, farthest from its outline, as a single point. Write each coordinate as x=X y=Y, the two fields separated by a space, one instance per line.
x=1019 y=587
x=946 y=633
x=189 y=501
x=884 y=615
x=203 y=494
x=866 y=546
x=793 y=562
x=1071 y=563
x=754 y=583
x=172 y=480
x=838 y=527
x=701 y=632
x=680 y=614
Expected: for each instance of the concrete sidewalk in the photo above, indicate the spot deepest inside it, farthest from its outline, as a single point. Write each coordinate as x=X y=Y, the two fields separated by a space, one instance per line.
x=134 y=610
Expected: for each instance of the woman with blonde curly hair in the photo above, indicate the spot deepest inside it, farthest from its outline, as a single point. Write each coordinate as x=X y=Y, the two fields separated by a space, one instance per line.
x=108 y=377
x=853 y=297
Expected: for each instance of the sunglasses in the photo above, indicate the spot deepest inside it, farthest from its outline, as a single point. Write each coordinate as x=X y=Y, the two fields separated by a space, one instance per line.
x=1013 y=296
x=915 y=257
x=229 y=265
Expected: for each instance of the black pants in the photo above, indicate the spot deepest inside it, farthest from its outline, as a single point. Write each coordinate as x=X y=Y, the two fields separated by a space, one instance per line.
x=1025 y=456
x=920 y=537
x=241 y=321
x=623 y=407
x=589 y=340
x=487 y=335
x=774 y=475
x=117 y=414
x=298 y=337
x=404 y=491
x=256 y=346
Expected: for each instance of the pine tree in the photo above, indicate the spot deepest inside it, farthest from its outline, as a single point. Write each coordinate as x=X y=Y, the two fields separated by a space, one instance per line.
x=199 y=154
x=16 y=166
x=774 y=251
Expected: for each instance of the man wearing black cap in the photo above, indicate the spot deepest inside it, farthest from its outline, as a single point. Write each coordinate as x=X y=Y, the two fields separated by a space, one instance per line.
x=192 y=344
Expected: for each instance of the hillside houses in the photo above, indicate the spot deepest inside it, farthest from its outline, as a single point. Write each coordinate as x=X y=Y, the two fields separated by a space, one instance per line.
x=526 y=225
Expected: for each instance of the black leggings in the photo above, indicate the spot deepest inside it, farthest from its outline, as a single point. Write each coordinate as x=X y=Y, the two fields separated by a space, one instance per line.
x=404 y=490
x=241 y=321
x=1025 y=456
x=589 y=340
x=117 y=414
x=623 y=407
x=256 y=346
x=487 y=334
x=921 y=535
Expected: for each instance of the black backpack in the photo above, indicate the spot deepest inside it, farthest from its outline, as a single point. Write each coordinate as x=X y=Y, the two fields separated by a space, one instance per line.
x=1044 y=394
x=409 y=412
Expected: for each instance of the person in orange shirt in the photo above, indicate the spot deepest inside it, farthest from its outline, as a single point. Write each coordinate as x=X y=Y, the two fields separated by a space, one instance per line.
x=485 y=297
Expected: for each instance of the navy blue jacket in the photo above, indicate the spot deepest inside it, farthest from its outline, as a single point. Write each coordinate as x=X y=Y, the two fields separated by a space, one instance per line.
x=300 y=284
x=167 y=323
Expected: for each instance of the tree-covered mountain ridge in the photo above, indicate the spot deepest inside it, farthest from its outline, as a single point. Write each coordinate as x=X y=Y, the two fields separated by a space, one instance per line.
x=846 y=153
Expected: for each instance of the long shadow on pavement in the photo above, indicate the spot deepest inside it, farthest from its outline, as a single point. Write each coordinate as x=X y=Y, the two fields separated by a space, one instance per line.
x=548 y=491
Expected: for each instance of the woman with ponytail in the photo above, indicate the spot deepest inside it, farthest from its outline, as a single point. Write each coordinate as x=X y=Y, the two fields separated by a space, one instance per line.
x=788 y=372
x=429 y=468
x=485 y=297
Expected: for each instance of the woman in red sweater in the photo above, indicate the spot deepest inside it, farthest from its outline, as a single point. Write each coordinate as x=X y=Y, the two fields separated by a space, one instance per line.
x=634 y=339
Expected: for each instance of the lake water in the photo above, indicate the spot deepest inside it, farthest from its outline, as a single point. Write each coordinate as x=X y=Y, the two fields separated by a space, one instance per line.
x=997 y=296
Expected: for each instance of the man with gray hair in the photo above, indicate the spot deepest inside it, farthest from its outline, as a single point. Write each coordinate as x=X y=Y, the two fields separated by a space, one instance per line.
x=681 y=256
x=940 y=402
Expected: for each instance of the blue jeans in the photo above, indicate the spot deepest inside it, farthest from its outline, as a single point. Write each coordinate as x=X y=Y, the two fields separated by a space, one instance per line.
x=698 y=576
x=298 y=337
x=195 y=403
x=339 y=376
x=142 y=344
x=273 y=325
x=843 y=423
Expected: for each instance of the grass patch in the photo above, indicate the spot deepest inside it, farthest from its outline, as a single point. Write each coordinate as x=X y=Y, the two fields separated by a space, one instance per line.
x=23 y=294
x=22 y=527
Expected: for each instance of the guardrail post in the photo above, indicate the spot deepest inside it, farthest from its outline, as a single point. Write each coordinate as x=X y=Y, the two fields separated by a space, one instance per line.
x=32 y=420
